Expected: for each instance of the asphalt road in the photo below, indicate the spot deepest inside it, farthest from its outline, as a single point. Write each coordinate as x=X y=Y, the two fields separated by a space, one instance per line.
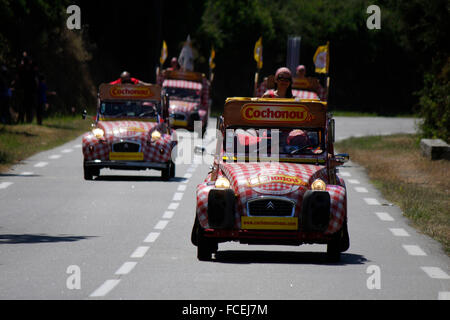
x=126 y=235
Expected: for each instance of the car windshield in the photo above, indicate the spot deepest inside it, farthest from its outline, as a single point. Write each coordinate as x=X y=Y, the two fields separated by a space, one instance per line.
x=287 y=143
x=182 y=93
x=132 y=109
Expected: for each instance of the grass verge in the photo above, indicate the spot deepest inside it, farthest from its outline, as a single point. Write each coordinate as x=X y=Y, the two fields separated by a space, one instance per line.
x=420 y=187
x=18 y=142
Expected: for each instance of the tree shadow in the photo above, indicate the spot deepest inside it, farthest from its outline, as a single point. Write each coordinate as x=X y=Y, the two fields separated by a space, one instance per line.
x=285 y=257
x=38 y=238
x=137 y=178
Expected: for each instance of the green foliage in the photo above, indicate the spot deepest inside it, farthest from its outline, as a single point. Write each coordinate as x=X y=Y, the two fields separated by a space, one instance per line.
x=434 y=101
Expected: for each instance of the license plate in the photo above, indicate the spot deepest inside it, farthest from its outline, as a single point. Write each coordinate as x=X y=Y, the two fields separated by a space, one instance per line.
x=269 y=223
x=132 y=156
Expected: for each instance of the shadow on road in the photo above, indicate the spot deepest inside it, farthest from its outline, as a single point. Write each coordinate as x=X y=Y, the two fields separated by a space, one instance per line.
x=138 y=178
x=38 y=238
x=286 y=257
x=19 y=175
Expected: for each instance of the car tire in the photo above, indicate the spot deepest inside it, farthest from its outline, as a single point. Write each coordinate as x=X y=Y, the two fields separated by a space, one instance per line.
x=166 y=173
x=172 y=169
x=205 y=247
x=88 y=174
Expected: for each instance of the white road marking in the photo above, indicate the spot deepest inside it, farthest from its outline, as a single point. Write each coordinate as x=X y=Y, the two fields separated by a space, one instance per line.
x=353 y=181
x=41 y=164
x=139 y=252
x=372 y=202
x=414 y=250
x=182 y=187
x=361 y=190
x=152 y=236
x=26 y=173
x=126 y=268
x=177 y=196
x=344 y=174
x=399 y=232
x=188 y=175
x=67 y=151
x=384 y=216
x=105 y=288
x=5 y=185
x=168 y=215
x=54 y=156
x=77 y=146
x=161 y=224
x=191 y=169
x=435 y=272
x=444 y=295
x=173 y=206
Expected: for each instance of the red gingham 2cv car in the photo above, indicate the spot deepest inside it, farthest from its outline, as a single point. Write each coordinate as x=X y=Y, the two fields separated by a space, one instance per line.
x=189 y=98
x=131 y=132
x=274 y=179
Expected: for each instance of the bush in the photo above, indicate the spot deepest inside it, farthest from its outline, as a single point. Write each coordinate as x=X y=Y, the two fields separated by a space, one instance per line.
x=434 y=102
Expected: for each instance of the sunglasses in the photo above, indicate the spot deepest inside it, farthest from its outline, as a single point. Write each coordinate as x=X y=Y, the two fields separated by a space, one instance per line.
x=283 y=79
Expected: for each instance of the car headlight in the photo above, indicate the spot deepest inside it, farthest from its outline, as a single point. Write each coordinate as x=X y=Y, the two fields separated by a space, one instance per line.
x=156 y=135
x=98 y=133
x=319 y=185
x=222 y=182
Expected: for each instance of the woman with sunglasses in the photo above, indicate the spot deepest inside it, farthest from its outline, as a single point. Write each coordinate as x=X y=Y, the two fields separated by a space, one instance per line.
x=283 y=85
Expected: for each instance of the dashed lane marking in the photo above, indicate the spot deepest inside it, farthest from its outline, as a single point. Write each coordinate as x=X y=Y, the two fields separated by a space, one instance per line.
x=126 y=268
x=168 y=215
x=384 y=216
x=4 y=185
x=444 y=295
x=140 y=252
x=161 y=224
x=173 y=206
x=105 y=288
x=178 y=196
x=353 y=181
x=399 y=232
x=414 y=250
x=372 y=202
x=361 y=190
x=41 y=164
x=152 y=236
x=54 y=156
x=435 y=273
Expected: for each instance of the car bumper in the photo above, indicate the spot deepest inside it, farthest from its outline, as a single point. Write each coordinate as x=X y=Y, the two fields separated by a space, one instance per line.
x=126 y=165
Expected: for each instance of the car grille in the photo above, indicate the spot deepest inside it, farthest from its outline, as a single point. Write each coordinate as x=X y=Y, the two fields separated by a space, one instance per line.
x=270 y=207
x=126 y=147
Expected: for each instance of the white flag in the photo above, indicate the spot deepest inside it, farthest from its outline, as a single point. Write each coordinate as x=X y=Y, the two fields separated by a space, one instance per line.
x=186 y=58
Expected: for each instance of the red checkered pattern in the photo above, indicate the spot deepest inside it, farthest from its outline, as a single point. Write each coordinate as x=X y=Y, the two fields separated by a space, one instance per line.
x=304 y=94
x=130 y=131
x=183 y=84
x=239 y=174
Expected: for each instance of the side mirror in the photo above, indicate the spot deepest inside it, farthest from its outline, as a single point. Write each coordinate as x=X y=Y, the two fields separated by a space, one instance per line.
x=332 y=130
x=342 y=157
x=84 y=115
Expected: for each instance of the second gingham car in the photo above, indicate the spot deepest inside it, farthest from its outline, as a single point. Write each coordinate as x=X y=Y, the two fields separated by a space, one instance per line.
x=130 y=132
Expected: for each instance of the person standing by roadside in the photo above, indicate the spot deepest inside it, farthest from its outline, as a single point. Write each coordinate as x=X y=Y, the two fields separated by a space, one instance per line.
x=5 y=96
x=42 y=104
x=27 y=85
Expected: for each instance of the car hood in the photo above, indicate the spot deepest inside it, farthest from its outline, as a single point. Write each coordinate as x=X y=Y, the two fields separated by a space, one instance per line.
x=274 y=178
x=125 y=129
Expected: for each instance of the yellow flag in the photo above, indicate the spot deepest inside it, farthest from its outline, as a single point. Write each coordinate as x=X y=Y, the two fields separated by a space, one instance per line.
x=258 y=53
x=212 y=65
x=163 y=53
x=322 y=58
